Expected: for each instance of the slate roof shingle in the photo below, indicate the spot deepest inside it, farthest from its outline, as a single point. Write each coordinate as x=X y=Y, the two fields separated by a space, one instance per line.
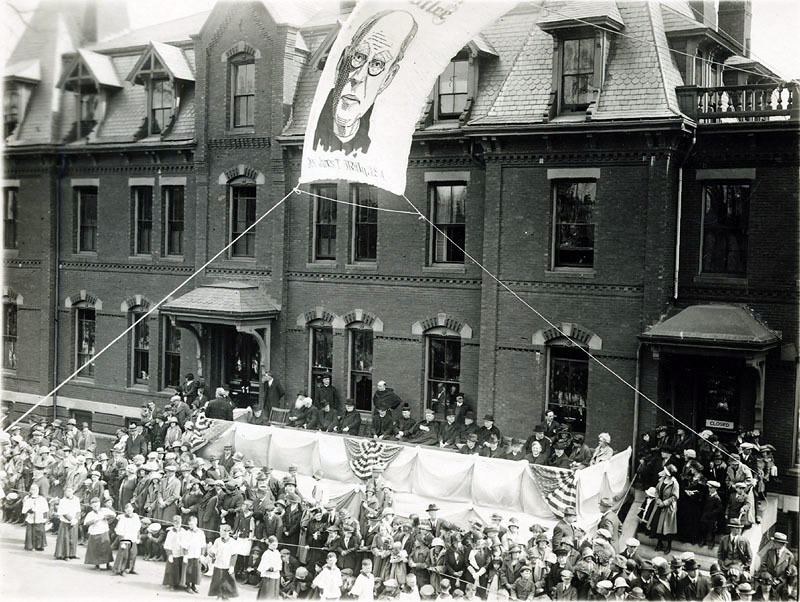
x=234 y=299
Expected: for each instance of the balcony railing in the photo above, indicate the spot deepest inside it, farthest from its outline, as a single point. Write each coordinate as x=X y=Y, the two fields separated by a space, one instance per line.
x=740 y=104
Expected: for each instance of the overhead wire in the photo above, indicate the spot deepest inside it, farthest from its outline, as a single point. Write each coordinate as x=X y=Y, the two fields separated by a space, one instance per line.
x=146 y=314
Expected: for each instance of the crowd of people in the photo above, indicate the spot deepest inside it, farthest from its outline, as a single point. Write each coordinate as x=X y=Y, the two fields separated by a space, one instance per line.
x=152 y=499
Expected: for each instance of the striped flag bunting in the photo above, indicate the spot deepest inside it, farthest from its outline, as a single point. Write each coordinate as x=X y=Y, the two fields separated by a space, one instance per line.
x=557 y=486
x=365 y=455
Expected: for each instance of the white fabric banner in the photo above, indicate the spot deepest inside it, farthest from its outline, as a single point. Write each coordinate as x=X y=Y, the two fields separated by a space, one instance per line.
x=462 y=485
x=377 y=77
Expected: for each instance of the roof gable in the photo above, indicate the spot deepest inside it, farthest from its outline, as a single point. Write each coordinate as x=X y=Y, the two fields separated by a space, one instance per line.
x=171 y=58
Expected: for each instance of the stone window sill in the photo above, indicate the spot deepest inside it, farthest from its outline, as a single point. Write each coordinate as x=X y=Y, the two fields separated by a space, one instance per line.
x=569 y=274
x=721 y=280
x=444 y=269
x=325 y=266
x=361 y=267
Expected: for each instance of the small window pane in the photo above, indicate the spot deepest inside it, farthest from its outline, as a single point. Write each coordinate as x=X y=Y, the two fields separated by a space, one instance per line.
x=87 y=219
x=174 y=219
x=141 y=350
x=172 y=355
x=365 y=235
x=453 y=85
x=244 y=88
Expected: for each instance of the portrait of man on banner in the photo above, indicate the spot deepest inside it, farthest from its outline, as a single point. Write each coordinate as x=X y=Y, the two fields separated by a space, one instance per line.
x=365 y=70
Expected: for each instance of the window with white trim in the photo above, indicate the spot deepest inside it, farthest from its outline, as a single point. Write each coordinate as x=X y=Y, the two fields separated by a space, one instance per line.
x=365 y=223
x=442 y=368
x=452 y=88
x=173 y=219
x=9 y=336
x=360 y=338
x=568 y=385
x=573 y=223
x=172 y=354
x=324 y=235
x=85 y=340
x=140 y=348
x=320 y=354
x=10 y=217
x=243 y=90
x=143 y=219
x=242 y=215
x=449 y=216
x=86 y=213
x=726 y=209
x=577 y=73
x=12 y=109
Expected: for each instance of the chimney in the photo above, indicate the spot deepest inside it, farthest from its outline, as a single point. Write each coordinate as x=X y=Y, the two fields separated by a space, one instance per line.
x=346 y=7
x=705 y=12
x=89 y=23
x=735 y=19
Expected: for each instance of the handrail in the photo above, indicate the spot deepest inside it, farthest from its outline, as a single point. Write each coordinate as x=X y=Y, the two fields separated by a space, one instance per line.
x=741 y=103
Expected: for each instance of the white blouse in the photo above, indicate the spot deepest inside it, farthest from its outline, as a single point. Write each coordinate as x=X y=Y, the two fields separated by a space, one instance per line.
x=37 y=505
x=223 y=552
x=193 y=543
x=71 y=508
x=271 y=564
x=97 y=522
x=128 y=528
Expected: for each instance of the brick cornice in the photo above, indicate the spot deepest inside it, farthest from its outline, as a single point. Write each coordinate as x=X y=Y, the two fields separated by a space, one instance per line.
x=379 y=278
x=85 y=266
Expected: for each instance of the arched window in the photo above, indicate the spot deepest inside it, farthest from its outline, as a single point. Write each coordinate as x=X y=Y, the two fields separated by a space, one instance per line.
x=242 y=215
x=320 y=348
x=85 y=322
x=243 y=90
x=140 y=347
x=9 y=334
x=442 y=367
x=359 y=358
x=568 y=383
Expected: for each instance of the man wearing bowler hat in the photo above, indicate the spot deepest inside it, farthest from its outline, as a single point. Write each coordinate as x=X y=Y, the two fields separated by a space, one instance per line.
x=692 y=585
x=487 y=430
x=610 y=521
x=437 y=524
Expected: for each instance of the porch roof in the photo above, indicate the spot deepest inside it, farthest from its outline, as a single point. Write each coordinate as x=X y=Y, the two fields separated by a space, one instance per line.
x=713 y=325
x=223 y=302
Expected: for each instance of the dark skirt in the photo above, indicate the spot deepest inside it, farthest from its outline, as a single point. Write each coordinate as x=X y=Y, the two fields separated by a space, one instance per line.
x=125 y=557
x=98 y=550
x=192 y=571
x=34 y=536
x=66 y=541
x=223 y=584
x=269 y=589
x=173 y=572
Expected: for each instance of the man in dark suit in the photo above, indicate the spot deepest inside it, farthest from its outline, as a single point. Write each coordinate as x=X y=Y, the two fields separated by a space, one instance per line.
x=610 y=521
x=660 y=589
x=219 y=408
x=348 y=423
x=270 y=393
x=778 y=558
x=136 y=443
x=693 y=585
x=564 y=529
x=550 y=425
x=734 y=550
x=438 y=526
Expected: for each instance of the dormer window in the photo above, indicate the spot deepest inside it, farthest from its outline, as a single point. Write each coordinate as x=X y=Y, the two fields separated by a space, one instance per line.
x=89 y=79
x=164 y=71
x=82 y=84
x=577 y=75
x=11 y=110
x=452 y=88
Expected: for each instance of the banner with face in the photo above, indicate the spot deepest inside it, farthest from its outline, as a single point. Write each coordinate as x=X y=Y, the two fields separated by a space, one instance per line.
x=378 y=75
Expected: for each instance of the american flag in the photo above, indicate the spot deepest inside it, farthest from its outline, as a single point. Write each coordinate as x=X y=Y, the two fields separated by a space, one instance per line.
x=557 y=486
x=365 y=455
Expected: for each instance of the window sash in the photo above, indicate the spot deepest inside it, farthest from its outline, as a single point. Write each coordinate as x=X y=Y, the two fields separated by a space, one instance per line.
x=360 y=379
x=325 y=223
x=726 y=209
x=365 y=224
x=443 y=367
x=244 y=94
x=85 y=326
x=453 y=88
x=10 y=216
x=574 y=228
x=321 y=351
x=162 y=104
x=140 y=343
x=577 y=73
x=9 y=336
x=87 y=220
x=172 y=355
x=242 y=216
x=568 y=386
x=449 y=202
x=174 y=196
x=143 y=197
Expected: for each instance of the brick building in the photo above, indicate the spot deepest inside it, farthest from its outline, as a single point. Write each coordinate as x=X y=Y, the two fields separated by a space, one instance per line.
x=588 y=154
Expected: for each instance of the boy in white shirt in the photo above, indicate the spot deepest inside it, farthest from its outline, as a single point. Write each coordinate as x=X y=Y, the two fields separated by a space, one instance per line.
x=329 y=579
x=364 y=587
